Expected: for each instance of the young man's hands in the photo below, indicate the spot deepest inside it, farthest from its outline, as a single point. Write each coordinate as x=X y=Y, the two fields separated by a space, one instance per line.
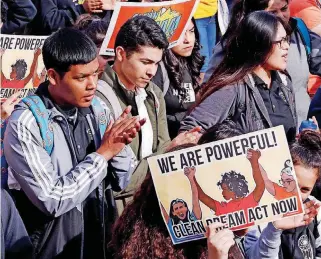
x=119 y=133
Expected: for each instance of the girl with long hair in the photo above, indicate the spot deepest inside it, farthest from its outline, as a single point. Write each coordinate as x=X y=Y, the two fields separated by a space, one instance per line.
x=248 y=86
x=304 y=52
x=296 y=237
x=178 y=76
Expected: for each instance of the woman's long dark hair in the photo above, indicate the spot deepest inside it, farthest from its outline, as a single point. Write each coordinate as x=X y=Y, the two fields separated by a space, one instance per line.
x=176 y=64
x=248 y=47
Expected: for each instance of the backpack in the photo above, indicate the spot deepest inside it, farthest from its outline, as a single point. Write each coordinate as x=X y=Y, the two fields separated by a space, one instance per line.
x=40 y=112
x=305 y=35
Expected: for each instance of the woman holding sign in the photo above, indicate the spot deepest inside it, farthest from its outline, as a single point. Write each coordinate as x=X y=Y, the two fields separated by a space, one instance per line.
x=297 y=237
x=249 y=87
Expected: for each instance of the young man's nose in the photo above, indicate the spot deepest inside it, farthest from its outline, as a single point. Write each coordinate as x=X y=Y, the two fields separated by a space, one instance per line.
x=151 y=70
x=92 y=83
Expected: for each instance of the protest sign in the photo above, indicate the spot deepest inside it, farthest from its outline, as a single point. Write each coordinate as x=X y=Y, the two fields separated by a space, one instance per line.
x=172 y=17
x=22 y=67
x=240 y=182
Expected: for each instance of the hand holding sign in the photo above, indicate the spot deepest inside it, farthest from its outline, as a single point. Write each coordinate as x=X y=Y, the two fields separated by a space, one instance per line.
x=311 y=209
x=219 y=242
x=8 y=106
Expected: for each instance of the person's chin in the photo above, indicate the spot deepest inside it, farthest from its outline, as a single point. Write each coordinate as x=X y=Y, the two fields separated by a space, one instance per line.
x=142 y=84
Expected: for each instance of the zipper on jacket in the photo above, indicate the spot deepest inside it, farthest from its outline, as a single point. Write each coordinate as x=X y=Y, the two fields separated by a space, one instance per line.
x=82 y=212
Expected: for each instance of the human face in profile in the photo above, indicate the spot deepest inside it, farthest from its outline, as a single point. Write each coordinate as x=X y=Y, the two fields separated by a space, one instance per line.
x=77 y=86
x=277 y=59
x=137 y=68
x=227 y=193
x=279 y=8
x=307 y=178
x=185 y=48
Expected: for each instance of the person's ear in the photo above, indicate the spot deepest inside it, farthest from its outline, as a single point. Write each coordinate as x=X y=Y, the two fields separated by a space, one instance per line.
x=120 y=54
x=53 y=76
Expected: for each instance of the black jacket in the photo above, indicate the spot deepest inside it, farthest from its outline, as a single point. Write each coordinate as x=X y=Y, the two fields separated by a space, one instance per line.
x=53 y=15
x=16 y=14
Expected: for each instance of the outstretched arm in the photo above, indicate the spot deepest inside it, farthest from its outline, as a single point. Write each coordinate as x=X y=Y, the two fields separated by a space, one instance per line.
x=269 y=186
x=207 y=200
x=165 y=214
x=33 y=67
x=190 y=173
x=253 y=156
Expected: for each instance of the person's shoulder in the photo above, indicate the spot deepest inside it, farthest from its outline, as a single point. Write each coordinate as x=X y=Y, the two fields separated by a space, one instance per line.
x=20 y=113
x=155 y=88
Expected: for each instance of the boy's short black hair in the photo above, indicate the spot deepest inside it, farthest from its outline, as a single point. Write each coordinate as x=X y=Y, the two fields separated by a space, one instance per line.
x=140 y=31
x=67 y=47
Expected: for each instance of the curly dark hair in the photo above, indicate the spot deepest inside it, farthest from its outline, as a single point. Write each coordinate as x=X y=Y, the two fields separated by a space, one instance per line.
x=140 y=232
x=236 y=183
x=21 y=68
x=175 y=65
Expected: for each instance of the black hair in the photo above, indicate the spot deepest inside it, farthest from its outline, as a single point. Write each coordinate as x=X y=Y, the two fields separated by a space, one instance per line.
x=93 y=26
x=241 y=8
x=175 y=64
x=248 y=47
x=226 y=129
x=21 y=68
x=67 y=47
x=236 y=183
x=140 y=31
x=176 y=220
x=306 y=150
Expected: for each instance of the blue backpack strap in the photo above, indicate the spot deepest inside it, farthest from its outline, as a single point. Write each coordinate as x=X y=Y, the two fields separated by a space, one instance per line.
x=41 y=115
x=100 y=115
x=305 y=35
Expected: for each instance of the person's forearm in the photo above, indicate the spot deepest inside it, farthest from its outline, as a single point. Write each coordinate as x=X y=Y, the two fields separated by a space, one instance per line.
x=195 y=200
x=263 y=245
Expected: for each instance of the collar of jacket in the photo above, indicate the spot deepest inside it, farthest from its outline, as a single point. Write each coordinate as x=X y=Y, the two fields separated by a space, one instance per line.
x=43 y=92
x=112 y=79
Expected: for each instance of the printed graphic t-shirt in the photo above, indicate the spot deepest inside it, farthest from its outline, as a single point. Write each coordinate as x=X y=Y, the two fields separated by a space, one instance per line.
x=233 y=206
x=178 y=101
x=18 y=84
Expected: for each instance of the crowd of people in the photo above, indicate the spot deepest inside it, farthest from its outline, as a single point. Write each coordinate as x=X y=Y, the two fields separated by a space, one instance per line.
x=74 y=172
